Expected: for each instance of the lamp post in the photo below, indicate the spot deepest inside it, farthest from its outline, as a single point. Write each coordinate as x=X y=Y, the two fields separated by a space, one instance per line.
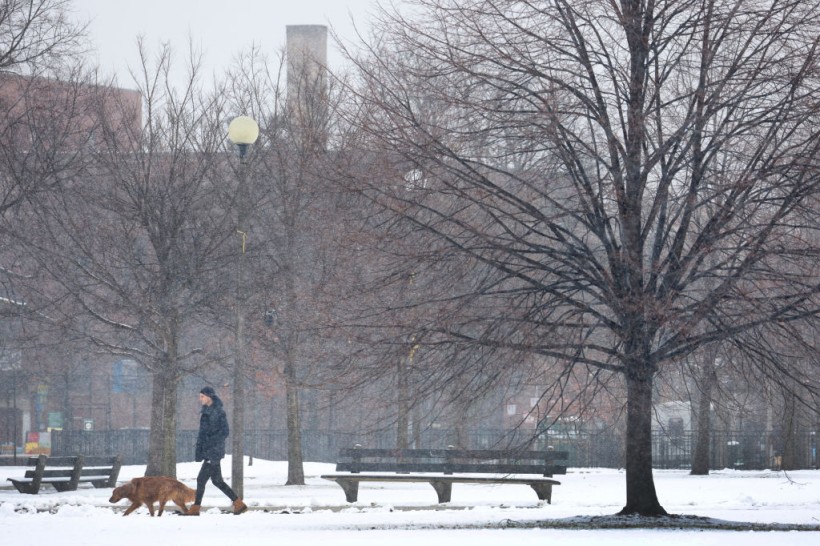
x=242 y=131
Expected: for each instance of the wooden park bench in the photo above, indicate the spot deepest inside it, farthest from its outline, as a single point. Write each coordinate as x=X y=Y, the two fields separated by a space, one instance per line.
x=441 y=468
x=66 y=473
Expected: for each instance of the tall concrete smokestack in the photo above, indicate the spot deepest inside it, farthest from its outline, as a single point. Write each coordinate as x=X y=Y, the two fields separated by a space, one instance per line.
x=307 y=81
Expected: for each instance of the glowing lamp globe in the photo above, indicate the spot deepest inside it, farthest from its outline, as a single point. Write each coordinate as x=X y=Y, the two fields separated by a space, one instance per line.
x=243 y=131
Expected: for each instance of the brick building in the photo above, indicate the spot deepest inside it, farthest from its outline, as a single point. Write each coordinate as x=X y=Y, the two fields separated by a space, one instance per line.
x=45 y=125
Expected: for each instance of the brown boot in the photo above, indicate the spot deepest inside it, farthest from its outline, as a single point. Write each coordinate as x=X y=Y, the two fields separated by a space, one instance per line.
x=192 y=511
x=239 y=507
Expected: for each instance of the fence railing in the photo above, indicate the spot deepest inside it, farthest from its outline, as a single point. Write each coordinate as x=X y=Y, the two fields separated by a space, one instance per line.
x=740 y=450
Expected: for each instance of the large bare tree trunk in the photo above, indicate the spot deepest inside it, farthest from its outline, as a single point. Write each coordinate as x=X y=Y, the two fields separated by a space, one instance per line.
x=641 y=497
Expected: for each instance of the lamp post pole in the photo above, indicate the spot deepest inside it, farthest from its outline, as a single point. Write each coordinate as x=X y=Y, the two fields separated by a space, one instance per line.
x=243 y=131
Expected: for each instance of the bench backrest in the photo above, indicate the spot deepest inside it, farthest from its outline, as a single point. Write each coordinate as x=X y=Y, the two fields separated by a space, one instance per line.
x=452 y=460
x=52 y=461
x=73 y=467
x=71 y=460
x=103 y=466
x=54 y=467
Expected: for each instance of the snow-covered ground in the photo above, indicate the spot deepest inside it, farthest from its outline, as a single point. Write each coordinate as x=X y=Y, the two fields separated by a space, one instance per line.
x=404 y=514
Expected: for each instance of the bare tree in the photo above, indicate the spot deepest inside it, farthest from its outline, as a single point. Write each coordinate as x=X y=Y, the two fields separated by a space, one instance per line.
x=40 y=101
x=133 y=255
x=37 y=35
x=45 y=102
x=38 y=45
x=634 y=177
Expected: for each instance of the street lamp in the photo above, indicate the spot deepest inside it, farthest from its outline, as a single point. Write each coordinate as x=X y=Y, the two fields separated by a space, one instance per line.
x=242 y=131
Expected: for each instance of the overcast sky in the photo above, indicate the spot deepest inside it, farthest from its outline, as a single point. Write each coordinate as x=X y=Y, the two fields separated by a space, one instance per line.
x=221 y=28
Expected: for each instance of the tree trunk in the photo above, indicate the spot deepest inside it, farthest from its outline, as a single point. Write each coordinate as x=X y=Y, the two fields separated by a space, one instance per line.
x=162 y=453
x=641 y=497
x=789 y=459
x=416 y=426
x=461 y=413
x=296 y=473
x=154 y=467
x=68 y=409
x=169 y=431
x=700 y=454
x=403 y=417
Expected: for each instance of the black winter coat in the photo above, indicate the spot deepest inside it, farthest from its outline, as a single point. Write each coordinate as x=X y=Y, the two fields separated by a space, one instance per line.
x=213 y=430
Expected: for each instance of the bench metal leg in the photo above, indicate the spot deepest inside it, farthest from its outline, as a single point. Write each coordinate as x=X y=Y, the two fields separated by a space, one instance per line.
x=443 y=489
x=351 y=489
x=543 y=490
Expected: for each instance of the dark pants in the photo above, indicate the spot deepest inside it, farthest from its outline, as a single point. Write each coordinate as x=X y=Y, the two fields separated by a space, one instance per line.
x=211 y=470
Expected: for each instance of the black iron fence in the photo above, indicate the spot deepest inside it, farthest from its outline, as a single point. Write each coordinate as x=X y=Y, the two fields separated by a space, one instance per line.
x=740 y=450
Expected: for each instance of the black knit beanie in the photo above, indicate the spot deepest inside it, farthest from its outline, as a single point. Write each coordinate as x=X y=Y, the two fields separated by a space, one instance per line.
x=209 y=392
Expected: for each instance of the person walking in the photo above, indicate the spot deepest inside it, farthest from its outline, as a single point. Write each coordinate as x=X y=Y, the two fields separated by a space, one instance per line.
x=210 y=449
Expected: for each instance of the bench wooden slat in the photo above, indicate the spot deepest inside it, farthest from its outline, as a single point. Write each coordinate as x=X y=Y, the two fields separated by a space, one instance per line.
x=94 y=471
x=428 y=477
x=52 y=473
x=89 y=478
x=450 y=468
x=100 y=461
x=62 y=460
x=548 y=455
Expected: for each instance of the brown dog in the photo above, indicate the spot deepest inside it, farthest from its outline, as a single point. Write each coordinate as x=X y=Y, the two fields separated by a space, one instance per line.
x=150 y=489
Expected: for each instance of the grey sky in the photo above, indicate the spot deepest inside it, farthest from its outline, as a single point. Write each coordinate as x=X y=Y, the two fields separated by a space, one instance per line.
x=221 y=29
